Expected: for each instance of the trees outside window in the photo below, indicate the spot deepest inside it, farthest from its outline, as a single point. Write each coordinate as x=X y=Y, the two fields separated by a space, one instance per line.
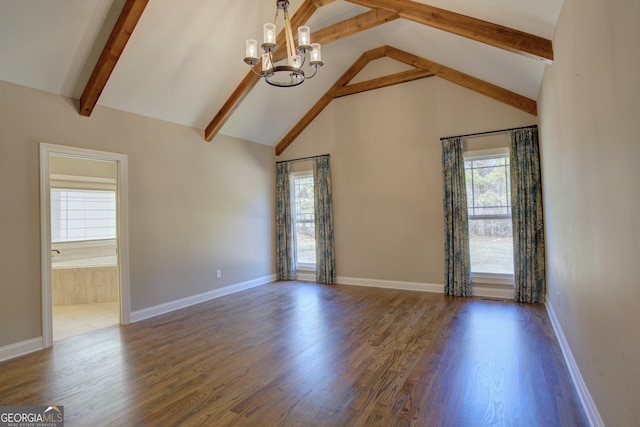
x=489 y=208
x=303 y=221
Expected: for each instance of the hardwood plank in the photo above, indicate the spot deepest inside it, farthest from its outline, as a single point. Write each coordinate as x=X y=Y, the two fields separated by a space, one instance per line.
x=302 y=354
x=127 y=21
x=475 y=29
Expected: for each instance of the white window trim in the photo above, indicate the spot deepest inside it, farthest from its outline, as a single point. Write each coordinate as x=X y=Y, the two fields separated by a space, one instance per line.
x=305 y=266
x=486 y=154
x=490 y=278
x=301 y=266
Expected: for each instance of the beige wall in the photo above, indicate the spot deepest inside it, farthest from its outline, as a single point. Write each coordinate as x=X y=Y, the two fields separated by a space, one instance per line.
x=386 y=172
x=194 y=207
x=590 y=106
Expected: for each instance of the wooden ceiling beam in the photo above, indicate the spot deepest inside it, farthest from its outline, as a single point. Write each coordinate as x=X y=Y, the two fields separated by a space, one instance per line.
x=320 y=3
x=326 y=99
x=422 y=68
x=466 y=26
x=500 y=94
x=324 y=36
x=353 y=26
x=380 y=82
x=127 y=21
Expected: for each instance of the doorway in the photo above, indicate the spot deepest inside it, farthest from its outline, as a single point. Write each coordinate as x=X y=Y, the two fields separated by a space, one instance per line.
x=84 y=241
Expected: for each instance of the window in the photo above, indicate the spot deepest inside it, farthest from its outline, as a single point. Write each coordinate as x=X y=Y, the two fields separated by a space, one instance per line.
x=78 y=215
x=303 y=221
x=489 y=204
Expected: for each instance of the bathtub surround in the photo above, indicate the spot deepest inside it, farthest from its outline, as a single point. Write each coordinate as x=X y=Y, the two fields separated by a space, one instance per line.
x=84 y=285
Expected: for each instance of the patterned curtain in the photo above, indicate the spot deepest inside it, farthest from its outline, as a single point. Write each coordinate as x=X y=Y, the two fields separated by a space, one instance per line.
x=526 y=213
x=456 y=224
x=325 y=252
x=285 y=257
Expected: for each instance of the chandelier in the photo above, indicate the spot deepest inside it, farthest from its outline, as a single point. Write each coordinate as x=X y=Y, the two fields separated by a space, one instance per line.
x=291 y=73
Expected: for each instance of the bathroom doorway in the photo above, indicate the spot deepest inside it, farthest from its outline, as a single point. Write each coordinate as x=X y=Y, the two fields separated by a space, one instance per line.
x=84 y=268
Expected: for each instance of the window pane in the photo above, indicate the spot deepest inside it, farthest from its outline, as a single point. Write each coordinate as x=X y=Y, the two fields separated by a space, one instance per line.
x=488 y=191
x=306 y=242
x=491 y=246
x=304 y=219
x=78 y=215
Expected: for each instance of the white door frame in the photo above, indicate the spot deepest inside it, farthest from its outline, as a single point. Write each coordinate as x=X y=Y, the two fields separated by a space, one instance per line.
x=46 y=151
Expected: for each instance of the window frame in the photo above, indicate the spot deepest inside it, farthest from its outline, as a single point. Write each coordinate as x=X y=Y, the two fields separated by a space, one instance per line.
x=77 y=242
x=499 y=279
x=302 y=266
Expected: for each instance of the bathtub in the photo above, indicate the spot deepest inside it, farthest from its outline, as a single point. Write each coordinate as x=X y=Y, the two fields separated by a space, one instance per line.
x=103 y=261
x=85 y=281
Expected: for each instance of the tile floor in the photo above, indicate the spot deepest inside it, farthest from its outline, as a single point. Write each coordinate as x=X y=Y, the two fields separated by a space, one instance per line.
x=72 y=320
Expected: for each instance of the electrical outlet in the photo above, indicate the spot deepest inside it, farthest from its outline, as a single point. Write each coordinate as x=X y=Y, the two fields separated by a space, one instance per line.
x=218 y=274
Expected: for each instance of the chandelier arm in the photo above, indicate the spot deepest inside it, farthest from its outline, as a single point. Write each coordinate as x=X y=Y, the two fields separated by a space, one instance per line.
x=259 y=74
x=314 y=73
x=271 y=60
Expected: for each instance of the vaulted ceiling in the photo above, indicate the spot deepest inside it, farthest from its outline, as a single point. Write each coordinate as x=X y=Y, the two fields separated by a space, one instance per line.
x=182 y=61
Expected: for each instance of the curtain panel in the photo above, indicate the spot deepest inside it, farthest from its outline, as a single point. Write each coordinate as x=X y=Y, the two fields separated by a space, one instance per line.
x=456 y=223
x=526 y=213
x=325 y=252
x=285 y=257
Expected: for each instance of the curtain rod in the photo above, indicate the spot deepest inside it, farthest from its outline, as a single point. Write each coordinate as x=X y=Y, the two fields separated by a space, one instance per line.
x=488 y=132
x=304 y=158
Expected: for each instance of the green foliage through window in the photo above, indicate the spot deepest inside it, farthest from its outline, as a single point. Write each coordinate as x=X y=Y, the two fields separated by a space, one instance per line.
x=304 y=218
x=489 y=208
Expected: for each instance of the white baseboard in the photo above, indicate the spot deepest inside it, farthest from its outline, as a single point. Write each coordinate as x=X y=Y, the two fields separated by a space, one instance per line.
x=480 y=290
x=20 y=348
x=391 y=284
x=588 y=405
x=157 y=310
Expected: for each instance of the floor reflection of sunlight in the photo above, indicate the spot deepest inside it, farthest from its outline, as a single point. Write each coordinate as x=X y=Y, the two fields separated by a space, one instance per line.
x=310 y=343
x=489 y=374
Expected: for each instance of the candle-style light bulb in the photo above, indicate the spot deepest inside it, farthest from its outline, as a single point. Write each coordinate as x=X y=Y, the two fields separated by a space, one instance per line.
x=304 y=36
x=251 y=49
x=316 y=53
x=269 y=33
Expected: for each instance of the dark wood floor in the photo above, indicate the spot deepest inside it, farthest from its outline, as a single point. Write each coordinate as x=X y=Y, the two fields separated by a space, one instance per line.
x=300 y=354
